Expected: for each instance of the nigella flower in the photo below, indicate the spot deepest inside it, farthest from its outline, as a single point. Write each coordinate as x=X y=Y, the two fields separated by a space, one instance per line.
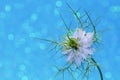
x=78 y=46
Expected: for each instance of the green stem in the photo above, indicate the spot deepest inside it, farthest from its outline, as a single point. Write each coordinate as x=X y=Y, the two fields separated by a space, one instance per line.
x=101 y=76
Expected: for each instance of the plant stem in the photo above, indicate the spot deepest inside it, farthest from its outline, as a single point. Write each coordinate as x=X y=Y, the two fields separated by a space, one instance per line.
x=101 y=76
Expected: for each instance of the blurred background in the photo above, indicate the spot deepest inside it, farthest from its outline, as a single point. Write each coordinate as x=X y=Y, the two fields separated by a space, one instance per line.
x=24 y=58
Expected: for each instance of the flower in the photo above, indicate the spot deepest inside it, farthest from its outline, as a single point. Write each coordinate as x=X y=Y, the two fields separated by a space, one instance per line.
x=78 y=46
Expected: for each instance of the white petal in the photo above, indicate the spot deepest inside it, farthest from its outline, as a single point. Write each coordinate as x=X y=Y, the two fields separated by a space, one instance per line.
x=84 y=55
x=78 y=60
x=67 y=51
x=70 y=57
x=87 y=51
x=79 y=33
x=87 y=40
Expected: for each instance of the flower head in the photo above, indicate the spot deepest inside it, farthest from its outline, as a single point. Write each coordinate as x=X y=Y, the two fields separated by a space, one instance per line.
x=78 y=46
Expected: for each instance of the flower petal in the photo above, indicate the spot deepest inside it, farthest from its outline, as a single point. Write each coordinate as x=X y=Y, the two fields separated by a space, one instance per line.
x=87 y=50
x=79 y=33
x=87 y=40
x=67 y=51
x=70 y=57
x=78 y=59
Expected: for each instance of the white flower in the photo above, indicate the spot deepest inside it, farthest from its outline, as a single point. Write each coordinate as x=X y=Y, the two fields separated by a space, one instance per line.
x=78 y=46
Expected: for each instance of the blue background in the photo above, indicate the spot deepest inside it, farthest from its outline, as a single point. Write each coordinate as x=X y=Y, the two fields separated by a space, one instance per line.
x=23 y=58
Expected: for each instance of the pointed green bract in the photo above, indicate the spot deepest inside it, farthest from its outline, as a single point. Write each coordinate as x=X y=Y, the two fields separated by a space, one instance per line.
x=91 y=22
x=74 y=12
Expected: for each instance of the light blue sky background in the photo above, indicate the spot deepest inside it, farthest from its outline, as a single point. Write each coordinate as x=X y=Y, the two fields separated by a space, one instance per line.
x=23 y=58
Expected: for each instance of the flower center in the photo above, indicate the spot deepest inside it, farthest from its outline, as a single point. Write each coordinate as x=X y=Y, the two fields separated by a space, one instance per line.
x=72 y=43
